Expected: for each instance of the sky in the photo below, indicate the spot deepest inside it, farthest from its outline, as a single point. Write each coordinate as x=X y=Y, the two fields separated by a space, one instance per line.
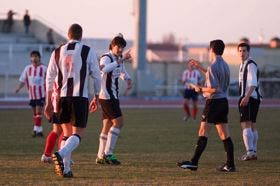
x=191 y=21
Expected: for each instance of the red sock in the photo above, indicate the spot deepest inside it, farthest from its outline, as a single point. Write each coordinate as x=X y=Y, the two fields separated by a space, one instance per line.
x=59 y=141
x=195 y=112
x=37 y=119
x=50 y=143
x=186 y=109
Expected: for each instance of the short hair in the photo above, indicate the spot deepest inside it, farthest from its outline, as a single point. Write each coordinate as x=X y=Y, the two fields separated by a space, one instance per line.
x=118 y=40
x=244 y=45
x=218 y=46
x=35 y=52
x=75 y=31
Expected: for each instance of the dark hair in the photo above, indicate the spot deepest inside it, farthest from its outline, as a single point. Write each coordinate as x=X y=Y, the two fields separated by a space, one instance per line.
x=75 y=31
x=118 y=40
x=218 y=46
x=244 y=45
x=35 y=52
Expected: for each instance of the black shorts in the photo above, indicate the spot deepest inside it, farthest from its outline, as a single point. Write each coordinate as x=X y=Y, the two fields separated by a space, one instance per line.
x=250 y=111
x=74 y=110
x=190 y=94
x=215 y=111
x=37 y=102
x=110 y=108
x=55 y=119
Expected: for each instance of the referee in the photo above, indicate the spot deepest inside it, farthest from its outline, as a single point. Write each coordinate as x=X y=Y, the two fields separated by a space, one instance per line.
x=216 y=108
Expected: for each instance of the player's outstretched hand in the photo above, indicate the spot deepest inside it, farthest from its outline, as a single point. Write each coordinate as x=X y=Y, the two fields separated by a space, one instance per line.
x=244 y=101
x=48 y=111
x=127 y=55
x=193 y=63
x=195 y=87
x=93 y=106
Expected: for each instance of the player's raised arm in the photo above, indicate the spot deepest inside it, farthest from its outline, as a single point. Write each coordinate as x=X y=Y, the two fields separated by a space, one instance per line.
x=197 y=65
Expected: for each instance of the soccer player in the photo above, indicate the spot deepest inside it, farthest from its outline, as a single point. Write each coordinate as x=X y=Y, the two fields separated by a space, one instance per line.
x=190 y=75
x=249 y=101
x=70 y=67
x=112 y=68
x=216 y=108
x=34 y=76
x=56 y=131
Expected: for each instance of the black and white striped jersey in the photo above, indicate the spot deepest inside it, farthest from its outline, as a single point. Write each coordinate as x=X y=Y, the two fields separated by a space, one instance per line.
x=248 y=76
x=70 y=67
x=110 y=73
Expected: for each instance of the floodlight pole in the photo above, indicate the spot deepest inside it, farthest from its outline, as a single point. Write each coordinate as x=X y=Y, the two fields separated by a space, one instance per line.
x=140 y=44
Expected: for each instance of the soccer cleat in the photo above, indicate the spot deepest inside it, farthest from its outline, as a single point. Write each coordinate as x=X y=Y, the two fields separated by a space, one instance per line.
x=101 y=161
x=111 y=159
x=46 y=159
x=58 y=163
x=68 y=175
x=249 y=156
x=40 y=134
x=226 y=168
x=187 y=165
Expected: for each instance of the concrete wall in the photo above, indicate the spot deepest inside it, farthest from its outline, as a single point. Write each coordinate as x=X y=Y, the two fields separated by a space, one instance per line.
x=38 y=29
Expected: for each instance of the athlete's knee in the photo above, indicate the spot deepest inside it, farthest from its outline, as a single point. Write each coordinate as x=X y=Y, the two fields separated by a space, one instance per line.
x=203 y=130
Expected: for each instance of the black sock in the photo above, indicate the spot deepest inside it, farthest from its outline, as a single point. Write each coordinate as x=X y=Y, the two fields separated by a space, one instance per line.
x=228 y=145
x=200 y=146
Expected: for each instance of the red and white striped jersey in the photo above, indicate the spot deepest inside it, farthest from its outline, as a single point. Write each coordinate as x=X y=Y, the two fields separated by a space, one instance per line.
x=76 y=62
x=191 y=76
x=35 y=77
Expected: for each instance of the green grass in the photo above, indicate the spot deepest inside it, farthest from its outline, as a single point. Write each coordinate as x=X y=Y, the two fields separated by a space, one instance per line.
x=151 y=143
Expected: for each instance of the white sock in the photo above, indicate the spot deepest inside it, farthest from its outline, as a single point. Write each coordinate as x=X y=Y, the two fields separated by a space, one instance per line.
x=248 y=139
x=255 y=141
x=70 y=144
x=40 y=129
x=102 y=144
x=67 y=163
x=112 y=140
x=35 y=128
x=62 y=143
x=66 y=159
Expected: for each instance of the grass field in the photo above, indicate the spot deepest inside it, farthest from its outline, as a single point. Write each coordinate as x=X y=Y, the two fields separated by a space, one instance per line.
x=151 y=143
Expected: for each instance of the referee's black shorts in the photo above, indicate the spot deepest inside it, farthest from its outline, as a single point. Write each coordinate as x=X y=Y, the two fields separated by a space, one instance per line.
x=250 y=111
x=110 y=108
x=215 y=111
x=74 y=110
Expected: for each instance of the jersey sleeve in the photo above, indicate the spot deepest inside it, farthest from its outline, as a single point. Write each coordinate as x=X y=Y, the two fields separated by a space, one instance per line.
x=184 y=77
x=94 y=71
x=252 y=75
x=23 y=76
x=52 y=72
x=107 y=65
x=212 y=77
